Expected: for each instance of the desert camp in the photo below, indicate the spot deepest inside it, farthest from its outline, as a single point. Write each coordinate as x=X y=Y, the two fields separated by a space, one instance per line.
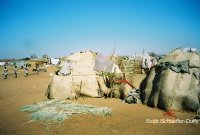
x=88 y=83
x=99 y=67
x=181 y=67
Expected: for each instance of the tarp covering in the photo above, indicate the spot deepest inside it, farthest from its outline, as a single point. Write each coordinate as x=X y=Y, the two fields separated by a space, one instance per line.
x=102 y=63
x=54 y=61
x=178 y=67
x=2 y=63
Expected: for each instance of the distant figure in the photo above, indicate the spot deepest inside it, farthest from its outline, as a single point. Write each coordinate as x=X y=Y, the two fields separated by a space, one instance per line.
x=153 y=62
x=5 y=72
x=26 y=70
x=145 y=67
x=146 y=64
x=15 y=71
x=37 y=68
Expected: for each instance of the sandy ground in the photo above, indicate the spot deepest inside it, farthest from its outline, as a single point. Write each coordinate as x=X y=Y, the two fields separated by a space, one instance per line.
x=126 y=119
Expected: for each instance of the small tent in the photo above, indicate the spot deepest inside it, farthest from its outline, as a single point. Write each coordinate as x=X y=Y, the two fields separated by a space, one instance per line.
x=2 y=63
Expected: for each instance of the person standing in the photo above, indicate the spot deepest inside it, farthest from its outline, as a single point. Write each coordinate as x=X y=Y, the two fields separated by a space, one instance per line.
x=145 y=66
x=15 y=71
x=37 y=68
x=5 y=72
x=26 y=70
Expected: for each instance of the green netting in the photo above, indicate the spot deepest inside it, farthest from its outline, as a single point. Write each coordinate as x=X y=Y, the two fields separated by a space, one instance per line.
x=60 y=110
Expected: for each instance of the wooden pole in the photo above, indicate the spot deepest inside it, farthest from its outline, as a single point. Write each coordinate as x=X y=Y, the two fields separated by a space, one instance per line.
x=143 y=54
x=114 y=48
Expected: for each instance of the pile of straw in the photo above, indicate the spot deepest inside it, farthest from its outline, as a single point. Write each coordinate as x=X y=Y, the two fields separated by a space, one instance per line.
x=60 y=110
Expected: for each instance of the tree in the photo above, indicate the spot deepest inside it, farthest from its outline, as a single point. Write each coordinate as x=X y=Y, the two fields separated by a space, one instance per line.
x=152 y=54
x=33 y=56
x=157 y=56
x=26 y=58
x=45 y=56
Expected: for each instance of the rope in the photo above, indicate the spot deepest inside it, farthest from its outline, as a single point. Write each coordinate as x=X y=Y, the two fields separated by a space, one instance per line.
x=126 y=82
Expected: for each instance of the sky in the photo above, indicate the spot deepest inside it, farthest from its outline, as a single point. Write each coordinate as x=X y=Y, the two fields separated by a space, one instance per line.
x=60 y=27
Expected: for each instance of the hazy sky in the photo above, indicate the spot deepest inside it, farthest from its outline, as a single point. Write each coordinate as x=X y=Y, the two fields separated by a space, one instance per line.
x=59 y=27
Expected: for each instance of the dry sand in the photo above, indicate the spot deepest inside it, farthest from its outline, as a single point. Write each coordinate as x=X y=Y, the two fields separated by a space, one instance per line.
x=127 y=119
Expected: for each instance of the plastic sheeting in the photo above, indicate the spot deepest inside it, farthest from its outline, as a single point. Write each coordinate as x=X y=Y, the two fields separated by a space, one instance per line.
x=54 y=61
x=178 y=67
x=102 y=63
x=2 y=63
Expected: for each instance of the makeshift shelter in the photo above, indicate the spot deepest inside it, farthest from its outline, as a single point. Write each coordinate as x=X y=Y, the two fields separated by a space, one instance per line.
x=174 y=83
x=2 y=63
x=80 y=74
